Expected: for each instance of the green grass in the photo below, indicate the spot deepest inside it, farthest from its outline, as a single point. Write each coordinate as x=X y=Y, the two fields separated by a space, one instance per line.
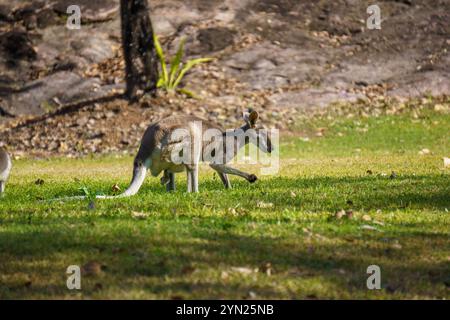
x=188 y=245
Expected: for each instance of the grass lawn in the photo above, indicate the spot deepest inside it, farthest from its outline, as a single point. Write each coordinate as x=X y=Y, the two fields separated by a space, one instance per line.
x=278 y=238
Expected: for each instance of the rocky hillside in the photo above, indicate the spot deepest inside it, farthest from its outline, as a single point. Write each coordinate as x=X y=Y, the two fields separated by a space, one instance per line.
x=279 y=56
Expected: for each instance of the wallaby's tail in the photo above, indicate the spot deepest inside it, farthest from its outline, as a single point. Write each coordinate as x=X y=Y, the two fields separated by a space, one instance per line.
x=139 y=173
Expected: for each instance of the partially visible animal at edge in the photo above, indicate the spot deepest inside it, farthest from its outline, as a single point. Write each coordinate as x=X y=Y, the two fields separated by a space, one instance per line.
x=5 y=169
x=158 y=143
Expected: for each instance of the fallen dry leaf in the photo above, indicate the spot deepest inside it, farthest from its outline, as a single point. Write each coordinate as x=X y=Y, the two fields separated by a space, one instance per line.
x=439 y=107
x=224 y=275
x=340 y=214
x=188 y=269
x=446 y=162
x=424 y=151
x=266 y=268
x=243 y=270
x=344 y=214
x=308 y=232
x=370 y=228
x=378 y=222
x=98 y=286
x=139 y=215
x=264 y=205
x=366 y=217
x=92 y=268
x=349 y=214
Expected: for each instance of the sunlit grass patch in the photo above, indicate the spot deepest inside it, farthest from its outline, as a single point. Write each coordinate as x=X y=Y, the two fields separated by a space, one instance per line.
x=278 y=238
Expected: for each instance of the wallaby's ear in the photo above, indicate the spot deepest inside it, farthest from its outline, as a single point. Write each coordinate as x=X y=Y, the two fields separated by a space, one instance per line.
x=251 y=118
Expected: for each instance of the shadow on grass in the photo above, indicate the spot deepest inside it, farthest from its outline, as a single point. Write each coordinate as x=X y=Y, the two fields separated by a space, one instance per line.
x=166 y=250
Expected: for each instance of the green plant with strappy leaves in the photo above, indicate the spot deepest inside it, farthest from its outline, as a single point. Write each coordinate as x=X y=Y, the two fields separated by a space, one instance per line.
x=170 y=80
x=90 y=196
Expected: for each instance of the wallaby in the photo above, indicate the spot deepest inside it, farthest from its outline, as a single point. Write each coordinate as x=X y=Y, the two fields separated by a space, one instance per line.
x=160 y=143
x=5 y=169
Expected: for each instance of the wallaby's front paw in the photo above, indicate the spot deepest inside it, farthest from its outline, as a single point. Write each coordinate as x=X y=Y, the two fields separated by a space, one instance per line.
x=252 y=178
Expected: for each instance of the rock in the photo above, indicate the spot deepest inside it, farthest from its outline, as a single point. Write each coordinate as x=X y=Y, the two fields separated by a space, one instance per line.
x=17 y=45
x=212 y=39
x=37 y=96
x=264 y=64
x=47 y=18
x=279 y=56
x=81 y=122
x=162 y=26
x=225 y=16
x=5 y=13
x=91 y=11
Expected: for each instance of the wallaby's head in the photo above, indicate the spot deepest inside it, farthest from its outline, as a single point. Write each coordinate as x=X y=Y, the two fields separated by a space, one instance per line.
x=255 y=132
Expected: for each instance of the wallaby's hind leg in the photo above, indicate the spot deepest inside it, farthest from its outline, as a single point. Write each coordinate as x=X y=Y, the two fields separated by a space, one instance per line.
x=225 y=180
x=168 y=179
x=189 y=180
x=171 y=185
x=229 y=170
x=195 y=179
x=192 y=179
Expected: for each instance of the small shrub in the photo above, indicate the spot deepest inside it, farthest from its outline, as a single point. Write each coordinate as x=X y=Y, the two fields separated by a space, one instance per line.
x=170 y=80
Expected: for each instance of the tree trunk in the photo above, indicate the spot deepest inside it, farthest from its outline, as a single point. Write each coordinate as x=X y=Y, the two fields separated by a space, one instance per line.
x=141 y=63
